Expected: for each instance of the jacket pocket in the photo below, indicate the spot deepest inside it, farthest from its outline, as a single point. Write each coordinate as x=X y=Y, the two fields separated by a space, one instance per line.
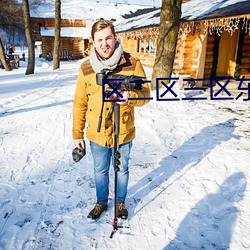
x=127 y=120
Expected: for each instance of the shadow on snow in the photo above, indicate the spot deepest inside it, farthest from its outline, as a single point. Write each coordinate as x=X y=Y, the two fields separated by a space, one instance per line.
x=23 y=110
x=212 y=228
x=190 y=152
x=209 y=225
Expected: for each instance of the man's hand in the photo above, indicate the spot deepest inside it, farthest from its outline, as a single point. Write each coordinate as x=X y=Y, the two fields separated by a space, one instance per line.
x=125 y=95
x=79 y=143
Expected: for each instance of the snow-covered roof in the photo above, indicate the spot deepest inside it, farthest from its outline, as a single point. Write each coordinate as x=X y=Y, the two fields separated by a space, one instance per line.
x=79 y=32
x=197 y=9
x=85 y=10
x=145 y=20
x=192 y=10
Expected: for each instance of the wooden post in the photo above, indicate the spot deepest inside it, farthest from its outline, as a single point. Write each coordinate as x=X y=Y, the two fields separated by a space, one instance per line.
x=201 y=59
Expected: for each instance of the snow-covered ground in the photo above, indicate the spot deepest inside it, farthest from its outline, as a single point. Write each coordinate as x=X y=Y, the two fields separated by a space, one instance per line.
x=189 y=171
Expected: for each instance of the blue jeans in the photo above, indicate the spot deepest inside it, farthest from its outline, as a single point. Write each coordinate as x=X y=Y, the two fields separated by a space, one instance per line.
x=102 y=157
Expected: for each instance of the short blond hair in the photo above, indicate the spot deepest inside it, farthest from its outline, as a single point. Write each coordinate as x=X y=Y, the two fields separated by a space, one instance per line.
x=101 y=24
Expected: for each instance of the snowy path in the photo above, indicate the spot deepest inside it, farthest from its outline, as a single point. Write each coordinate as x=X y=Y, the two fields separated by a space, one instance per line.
x=189 y=172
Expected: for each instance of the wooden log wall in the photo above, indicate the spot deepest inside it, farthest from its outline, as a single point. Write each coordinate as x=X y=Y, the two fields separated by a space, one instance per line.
x=50 y=22
x=209 y=56
x=185 y=59
x=146 y=59
x=190 y=55
x=73 y=45
x=66 y=44
x=79 y=46
x=245 y=60
x=131 y=46
x=47 y=45
x=178 y=61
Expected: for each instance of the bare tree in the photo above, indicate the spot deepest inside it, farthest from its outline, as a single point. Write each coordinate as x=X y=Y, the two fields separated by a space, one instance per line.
x=36 y=3
x=168 y=34
x=56 y=59
x=3 y=57
x=28 y=33
x=11 y=16
x=11 y=24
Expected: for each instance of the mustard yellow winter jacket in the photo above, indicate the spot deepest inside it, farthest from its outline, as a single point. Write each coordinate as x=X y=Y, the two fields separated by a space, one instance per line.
x=88 y=101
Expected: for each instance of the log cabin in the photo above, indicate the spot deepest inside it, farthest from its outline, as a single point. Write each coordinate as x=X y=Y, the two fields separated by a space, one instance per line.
x=74 y=37
x=213 y=39
x=77 y=19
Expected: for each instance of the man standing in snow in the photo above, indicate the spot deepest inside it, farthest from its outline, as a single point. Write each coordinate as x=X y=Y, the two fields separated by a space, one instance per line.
x=107 y=54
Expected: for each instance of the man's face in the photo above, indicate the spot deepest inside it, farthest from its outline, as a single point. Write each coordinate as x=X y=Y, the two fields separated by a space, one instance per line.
x=104 y=42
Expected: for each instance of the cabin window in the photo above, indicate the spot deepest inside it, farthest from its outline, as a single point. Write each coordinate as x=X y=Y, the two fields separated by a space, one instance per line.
x=146 y=45
x=138 y=45
x=152 y=45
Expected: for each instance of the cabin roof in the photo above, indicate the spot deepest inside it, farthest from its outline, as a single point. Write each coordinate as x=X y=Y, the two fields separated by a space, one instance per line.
x=193 y=10
x=84 y=10
x=76 y=32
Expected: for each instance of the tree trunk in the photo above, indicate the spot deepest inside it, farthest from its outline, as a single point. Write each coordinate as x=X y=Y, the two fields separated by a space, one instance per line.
x=3 y=57
x=28 y=33
x=56 y=59
x=168 y=34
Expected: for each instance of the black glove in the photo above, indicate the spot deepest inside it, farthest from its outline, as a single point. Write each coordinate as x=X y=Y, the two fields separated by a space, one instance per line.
x=78 y=153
